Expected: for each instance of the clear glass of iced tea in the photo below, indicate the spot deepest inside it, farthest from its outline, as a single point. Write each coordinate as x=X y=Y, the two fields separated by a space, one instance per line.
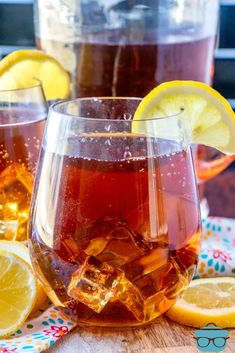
x=22 y=117
x=115 y=223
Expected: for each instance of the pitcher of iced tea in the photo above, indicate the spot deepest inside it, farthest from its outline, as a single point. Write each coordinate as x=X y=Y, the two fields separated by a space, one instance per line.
x=126 y=48
x=115 y=222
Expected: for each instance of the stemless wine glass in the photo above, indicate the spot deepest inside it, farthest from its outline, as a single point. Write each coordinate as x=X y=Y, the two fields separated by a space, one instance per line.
x=22 y=116
x=115 y=223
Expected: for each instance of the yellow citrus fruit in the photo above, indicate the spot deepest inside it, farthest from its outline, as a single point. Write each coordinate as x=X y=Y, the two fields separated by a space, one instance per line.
x=19 y=249
x=206 y=300
x=21 y=67
x=207 y=116
x=18 y=289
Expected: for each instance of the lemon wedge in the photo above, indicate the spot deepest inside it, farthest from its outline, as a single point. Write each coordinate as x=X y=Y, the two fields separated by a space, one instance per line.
x=207 y=116
x=206 y=300
x=19 y=68
x=18 y=289
x=19 y=249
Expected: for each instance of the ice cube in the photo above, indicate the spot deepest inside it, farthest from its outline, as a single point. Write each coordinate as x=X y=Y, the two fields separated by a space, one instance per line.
x=15 y=190
x=9 y=211
x=156 y=305
x=112 y=240
x=131 y=297
x=177 y=278
x=94 y=237
x=96 y=246
x=161 y=287
x=148 y=262
x=95 y=283
x=8 y=220
x=123 y=246
x=16 y=172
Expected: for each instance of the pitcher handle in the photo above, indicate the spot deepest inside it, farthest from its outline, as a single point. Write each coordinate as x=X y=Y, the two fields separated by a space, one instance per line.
x=206 y=170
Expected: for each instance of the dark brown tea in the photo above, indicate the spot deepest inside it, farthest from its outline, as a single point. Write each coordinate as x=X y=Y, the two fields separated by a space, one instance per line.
x=121 y=68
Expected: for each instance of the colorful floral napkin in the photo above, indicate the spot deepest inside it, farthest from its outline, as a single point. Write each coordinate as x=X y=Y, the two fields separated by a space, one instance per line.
x=217 y=259
x=218 y=248
x=38 y=333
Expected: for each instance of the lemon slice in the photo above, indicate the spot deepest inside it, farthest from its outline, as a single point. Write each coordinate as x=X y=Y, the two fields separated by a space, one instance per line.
x=19 y=249
x=18 y=290
x=19 y=68
x=207 y=116
x=206 y=300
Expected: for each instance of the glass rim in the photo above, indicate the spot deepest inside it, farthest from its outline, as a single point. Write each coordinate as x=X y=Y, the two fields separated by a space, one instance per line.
x=20 y=98
x=52 y=109
x=37 y=83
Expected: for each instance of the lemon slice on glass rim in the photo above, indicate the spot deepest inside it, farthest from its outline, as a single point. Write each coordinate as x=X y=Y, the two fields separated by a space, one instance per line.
x=21 y=68
x=206 y=115
x=206 y=300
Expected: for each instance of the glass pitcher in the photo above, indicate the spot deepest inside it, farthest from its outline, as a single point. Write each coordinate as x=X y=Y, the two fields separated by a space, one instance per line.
x=126 y=48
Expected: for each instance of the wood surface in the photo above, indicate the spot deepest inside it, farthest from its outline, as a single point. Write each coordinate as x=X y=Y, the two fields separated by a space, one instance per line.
x=164 y=336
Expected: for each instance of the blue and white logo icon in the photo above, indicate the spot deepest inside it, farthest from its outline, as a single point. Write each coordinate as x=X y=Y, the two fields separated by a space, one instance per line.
x=211 y=338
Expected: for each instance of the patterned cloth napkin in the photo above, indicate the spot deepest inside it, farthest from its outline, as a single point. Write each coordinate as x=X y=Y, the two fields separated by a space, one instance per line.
x=218 y=248
x=38 y=333
x=217 y=259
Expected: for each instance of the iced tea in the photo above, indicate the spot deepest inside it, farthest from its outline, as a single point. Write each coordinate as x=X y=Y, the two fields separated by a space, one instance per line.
x=116 y=68
x=20 y=138
x=115 y=235
x=106 y=69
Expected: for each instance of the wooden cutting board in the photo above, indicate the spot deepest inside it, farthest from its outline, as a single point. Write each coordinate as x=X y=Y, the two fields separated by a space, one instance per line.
x=164 y=336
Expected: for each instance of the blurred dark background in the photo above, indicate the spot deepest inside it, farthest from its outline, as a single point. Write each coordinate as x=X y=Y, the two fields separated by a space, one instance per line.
x=17 y=31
